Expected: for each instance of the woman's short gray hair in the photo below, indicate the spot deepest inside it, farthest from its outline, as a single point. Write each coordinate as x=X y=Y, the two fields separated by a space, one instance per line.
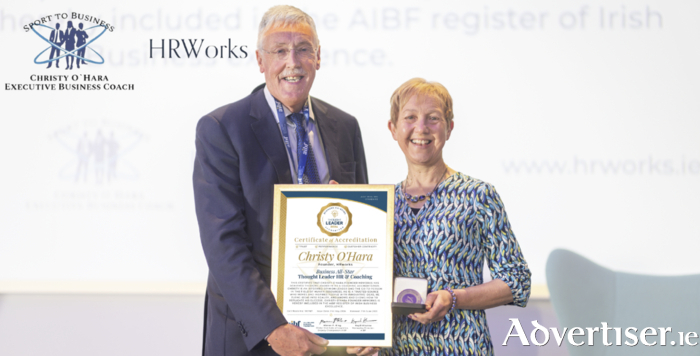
x=285 y=16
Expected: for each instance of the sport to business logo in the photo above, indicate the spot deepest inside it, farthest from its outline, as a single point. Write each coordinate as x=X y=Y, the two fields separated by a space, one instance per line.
x=67 y=40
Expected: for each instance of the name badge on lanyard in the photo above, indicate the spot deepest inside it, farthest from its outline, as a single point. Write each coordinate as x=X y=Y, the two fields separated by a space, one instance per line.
x=301 y=160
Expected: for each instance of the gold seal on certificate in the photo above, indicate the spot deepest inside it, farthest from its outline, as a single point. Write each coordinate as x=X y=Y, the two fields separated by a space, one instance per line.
x=332 y=260
x=334 y=219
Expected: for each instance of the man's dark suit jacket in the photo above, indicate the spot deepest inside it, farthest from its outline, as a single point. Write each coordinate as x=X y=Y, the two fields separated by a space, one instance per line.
x=240 y=156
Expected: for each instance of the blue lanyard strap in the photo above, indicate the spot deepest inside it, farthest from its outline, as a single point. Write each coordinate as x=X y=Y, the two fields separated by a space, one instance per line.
x=302 y=147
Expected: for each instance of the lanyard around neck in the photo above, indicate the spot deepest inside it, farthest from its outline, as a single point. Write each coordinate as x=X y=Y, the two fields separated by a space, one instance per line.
x=303 y=157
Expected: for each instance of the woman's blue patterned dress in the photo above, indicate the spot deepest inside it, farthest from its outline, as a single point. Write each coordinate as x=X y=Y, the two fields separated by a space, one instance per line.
x=462 y=223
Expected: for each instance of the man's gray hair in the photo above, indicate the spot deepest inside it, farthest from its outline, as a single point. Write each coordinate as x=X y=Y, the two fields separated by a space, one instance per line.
x=283 y=16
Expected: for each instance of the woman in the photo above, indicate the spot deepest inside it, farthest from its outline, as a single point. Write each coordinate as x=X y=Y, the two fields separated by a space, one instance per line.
x=69 y=36
x=446 y=224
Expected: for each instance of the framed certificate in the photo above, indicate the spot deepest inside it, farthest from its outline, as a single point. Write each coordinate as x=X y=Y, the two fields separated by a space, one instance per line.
x=332 y=260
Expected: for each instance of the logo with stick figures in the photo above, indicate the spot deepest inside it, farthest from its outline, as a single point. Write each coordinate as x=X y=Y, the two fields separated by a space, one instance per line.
x=70 y=43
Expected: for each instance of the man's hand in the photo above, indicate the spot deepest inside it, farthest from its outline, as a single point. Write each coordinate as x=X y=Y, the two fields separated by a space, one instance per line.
x=438 y=304
x=290 y=340
x=362 y=351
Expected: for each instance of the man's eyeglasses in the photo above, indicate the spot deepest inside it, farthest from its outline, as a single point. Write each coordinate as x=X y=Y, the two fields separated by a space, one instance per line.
x=302 y=52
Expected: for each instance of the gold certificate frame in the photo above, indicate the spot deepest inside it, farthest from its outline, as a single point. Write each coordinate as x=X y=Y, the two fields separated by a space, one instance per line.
x=332 y=260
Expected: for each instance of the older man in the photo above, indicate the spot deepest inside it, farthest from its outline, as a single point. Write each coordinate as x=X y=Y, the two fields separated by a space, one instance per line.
x=275 y=135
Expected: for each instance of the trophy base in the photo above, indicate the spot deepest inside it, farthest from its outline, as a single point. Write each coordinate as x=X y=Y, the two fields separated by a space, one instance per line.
x=407 y=308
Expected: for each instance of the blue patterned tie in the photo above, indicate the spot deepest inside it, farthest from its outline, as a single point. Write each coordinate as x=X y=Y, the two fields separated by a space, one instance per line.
x=310 y=171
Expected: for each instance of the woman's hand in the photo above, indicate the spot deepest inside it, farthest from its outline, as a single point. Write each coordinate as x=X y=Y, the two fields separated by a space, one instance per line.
x=438 y=304
x=362 y=351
